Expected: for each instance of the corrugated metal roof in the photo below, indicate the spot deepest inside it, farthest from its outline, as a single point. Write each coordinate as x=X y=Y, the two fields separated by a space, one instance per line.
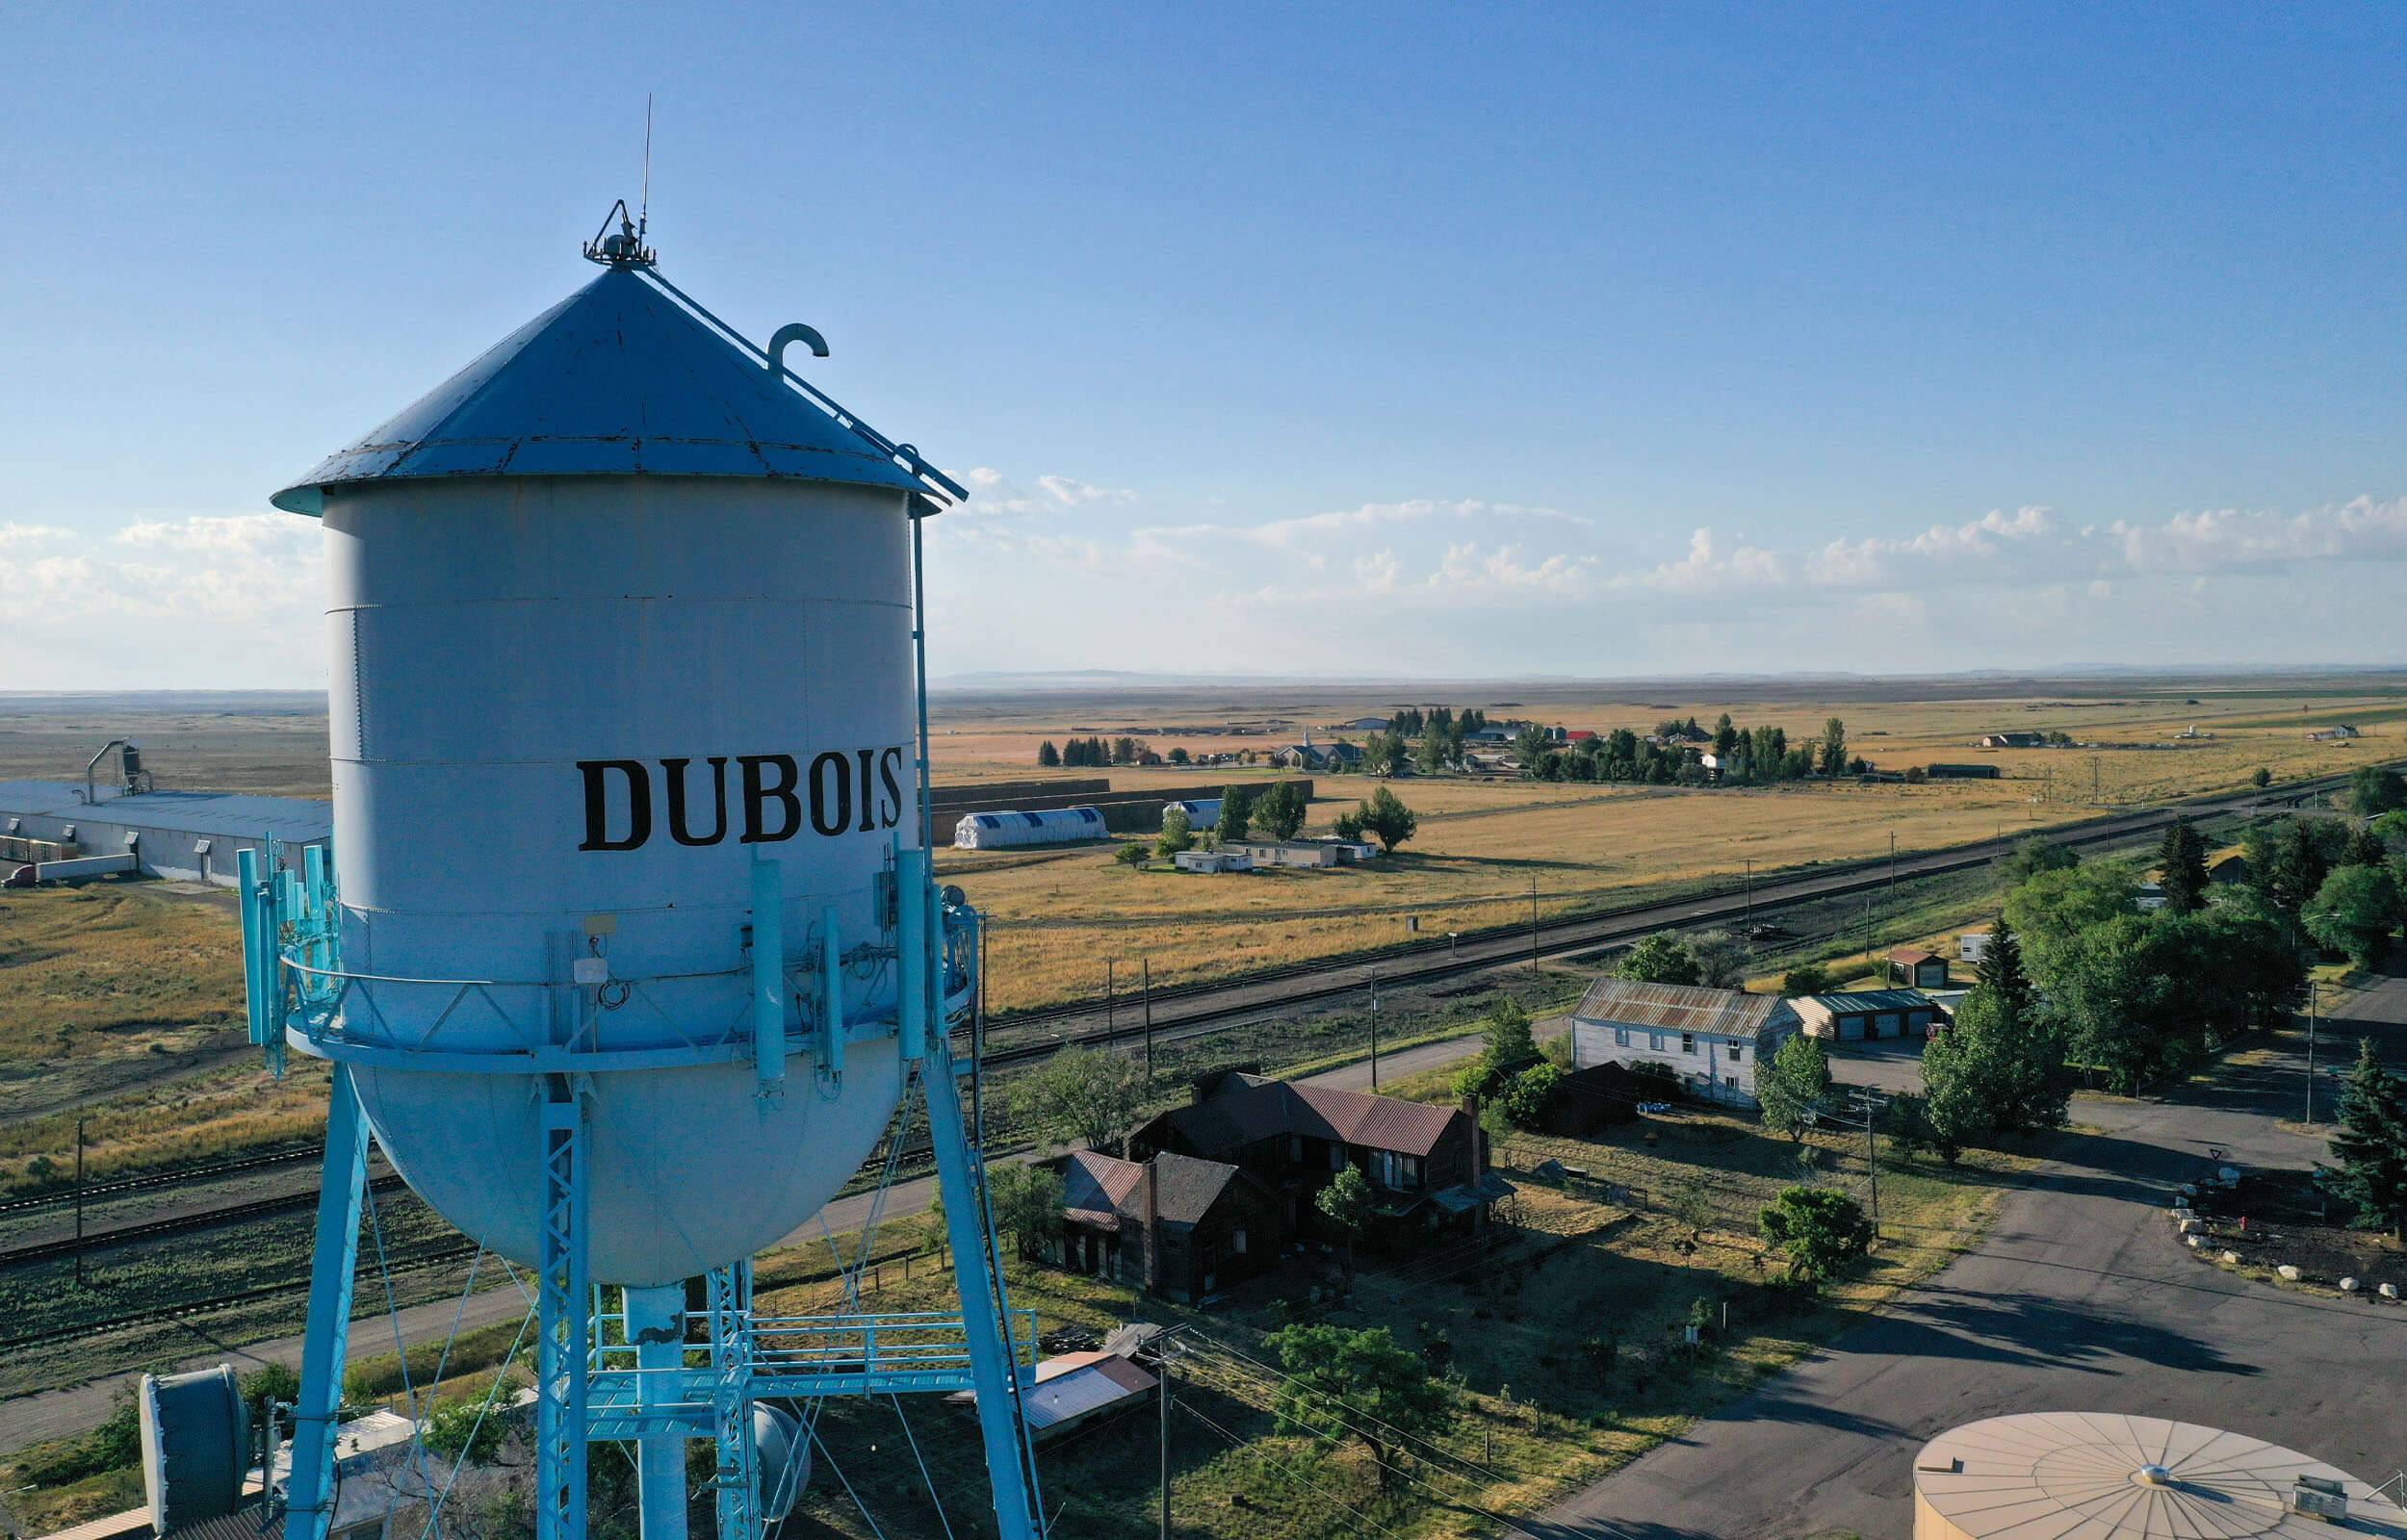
x=1246 y=1111
x=235 y=815
x=617 y=380
x=1088 y=1388
x=1860 y=1002
x=1679 y=1007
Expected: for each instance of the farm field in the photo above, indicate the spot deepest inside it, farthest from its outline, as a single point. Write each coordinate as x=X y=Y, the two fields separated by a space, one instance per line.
x=1487 y=850
x=1485 y=847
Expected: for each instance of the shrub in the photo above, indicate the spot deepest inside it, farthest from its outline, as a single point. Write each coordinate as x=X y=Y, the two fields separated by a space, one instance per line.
x=463 y=1429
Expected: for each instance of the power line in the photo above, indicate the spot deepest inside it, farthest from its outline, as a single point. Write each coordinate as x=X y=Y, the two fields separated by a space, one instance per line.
x=1284 y=1469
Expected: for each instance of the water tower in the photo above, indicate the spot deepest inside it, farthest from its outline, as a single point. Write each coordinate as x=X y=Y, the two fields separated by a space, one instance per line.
x=630 y=950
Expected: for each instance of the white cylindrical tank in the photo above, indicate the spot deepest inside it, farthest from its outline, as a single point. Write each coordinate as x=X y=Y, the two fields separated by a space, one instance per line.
x=615 y=615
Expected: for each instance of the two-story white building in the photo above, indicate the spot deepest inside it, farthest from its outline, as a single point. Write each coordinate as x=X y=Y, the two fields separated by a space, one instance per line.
x=1712 y=1039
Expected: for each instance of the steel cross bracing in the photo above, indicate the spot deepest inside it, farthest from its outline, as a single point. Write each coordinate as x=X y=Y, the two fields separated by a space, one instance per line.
x=563 y=1304
x=584 y=1391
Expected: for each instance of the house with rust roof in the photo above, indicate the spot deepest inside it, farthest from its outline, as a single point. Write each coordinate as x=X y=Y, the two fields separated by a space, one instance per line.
x=1710 y=1040
x=1170 y=1224
x=1426 y=1166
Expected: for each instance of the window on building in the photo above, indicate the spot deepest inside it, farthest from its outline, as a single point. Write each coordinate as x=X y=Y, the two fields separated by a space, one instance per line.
x=1688 y=1042
x=1654 y=1041
x=1295 y=1148
x=1737 y=1053
x=1397 y=1172
x=1732 y=1081
x=1236 y=1241
x=1620 y=1037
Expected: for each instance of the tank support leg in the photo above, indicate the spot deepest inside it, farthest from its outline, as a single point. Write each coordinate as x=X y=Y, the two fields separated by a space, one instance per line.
x=564 y=1311
x=309 y=1493
x=656 y=1323
x=993 y=1362
x=738 y=1482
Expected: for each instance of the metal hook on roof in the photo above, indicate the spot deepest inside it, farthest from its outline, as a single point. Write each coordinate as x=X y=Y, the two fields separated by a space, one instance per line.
x=794 y=332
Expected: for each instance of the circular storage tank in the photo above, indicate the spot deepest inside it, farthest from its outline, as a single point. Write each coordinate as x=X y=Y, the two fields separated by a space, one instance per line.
x=2101 y=1475
x=615 y=612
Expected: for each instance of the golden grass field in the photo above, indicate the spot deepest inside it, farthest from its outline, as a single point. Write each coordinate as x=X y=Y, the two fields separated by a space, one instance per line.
x=1059 y=915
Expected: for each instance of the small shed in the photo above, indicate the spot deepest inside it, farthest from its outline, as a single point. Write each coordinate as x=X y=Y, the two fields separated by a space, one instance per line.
x=1918 y=968
x=2232 y=871
x=1973 y=946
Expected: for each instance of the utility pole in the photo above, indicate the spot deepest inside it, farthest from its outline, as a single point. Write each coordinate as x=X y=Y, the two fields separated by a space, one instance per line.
x=1111 y=1004
x=1374 y=1029
x=79 y=1200
x=2093 y=781
x=2310 y=1053
x=1162 y=1367
x=1868 y=1103
x=1534 y=925
x=1147 y=964
x=1892 y=875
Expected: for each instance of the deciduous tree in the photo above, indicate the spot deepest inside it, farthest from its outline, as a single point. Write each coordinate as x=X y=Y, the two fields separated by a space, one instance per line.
x=1819 y=1229
x=1280 y=809
x=1236 y=814
x=1721 y=959
x=1092 y=1095
x=2355 y=911
x=1344 y=1383
x=1791 y=1087
x=1387 y=819
x=1178 y=833
x=1658 y=959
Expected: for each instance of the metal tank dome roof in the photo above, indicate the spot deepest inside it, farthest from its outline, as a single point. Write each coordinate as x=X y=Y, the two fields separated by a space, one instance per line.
x=626 y=376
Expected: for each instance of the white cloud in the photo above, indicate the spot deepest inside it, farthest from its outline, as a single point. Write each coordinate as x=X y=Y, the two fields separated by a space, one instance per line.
x=1711 y=566
x=991 y=491
x=13 y=534
x=2237 y=540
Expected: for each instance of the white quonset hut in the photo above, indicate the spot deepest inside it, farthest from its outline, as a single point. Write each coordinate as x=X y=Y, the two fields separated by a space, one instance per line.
x=2101 y=1475
x=1203 y=813
x=1043 y=826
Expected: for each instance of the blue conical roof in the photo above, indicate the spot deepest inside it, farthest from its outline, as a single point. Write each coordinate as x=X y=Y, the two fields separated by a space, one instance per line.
x=617 y=380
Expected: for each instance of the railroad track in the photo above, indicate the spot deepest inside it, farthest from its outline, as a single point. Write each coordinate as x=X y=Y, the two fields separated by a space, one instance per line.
x=160 y=1314
x=1189 y=1010
x=175 y=1224
x=206 y=1170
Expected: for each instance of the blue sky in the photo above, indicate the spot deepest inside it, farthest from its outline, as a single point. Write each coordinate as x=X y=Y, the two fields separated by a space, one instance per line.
x=1577 y=340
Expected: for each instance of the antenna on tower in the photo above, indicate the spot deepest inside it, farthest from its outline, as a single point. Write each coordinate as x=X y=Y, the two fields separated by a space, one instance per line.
x=643 y=207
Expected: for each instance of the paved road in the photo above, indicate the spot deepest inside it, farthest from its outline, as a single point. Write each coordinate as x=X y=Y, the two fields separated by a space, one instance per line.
x=2078 y=1299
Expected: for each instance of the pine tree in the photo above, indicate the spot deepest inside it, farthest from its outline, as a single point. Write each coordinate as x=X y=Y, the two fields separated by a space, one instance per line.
x=2183 y=857
x=2000 y=968
x=2371 y=1144
x=1048 y=755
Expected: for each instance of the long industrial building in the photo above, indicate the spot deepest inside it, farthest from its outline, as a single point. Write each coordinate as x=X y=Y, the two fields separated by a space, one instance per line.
x=191 y=835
